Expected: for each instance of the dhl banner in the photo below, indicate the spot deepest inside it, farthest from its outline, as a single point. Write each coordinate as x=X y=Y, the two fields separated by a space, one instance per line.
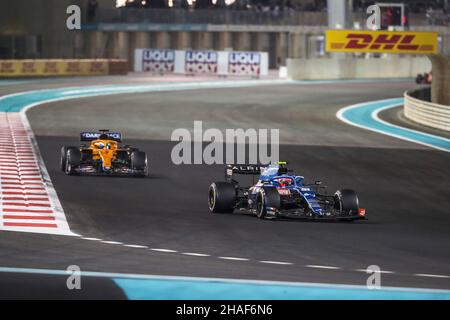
x=381 y=41
x=30 y=68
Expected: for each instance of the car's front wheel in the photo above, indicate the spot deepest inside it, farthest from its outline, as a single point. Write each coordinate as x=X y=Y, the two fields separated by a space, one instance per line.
x=63 y=158
x=346 y=201
x=73 y=159
x=222 y=197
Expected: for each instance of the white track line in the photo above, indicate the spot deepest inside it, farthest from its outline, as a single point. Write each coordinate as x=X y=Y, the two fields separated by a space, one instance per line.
x=234 y=258
x=137 y=246
x=111 y=242
x=164 y=250
x=322 y=267
x=276 y=262
x=428 y=275
x=375 y=271
x=194 y=254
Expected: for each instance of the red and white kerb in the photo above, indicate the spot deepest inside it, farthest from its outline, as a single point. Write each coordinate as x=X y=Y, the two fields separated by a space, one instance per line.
x=26 y=202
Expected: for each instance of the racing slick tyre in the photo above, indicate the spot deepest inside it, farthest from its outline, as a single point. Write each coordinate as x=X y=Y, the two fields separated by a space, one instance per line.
x=63 y=161
x=63 y=158
x=139 y=162
x=222 y=197
x=267 y=197
x=346 y=201
x=73 y=159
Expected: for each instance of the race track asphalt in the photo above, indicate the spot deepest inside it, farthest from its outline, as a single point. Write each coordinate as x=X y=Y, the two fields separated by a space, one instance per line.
x=403 y=186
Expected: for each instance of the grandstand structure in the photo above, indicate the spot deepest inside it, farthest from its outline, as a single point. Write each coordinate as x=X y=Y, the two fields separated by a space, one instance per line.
x=37 y=29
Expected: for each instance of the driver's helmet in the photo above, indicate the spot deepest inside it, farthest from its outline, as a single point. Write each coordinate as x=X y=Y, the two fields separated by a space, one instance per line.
x=285 y=182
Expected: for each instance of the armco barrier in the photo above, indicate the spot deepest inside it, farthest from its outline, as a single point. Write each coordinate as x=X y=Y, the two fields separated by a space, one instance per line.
x=61 y=67
x=426 y=113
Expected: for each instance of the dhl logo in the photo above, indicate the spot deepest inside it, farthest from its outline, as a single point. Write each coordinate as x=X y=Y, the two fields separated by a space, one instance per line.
x=381 y=41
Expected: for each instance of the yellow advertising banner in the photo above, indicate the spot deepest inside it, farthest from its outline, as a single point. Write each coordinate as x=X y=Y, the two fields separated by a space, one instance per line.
x=381 y=41
x=36 y=68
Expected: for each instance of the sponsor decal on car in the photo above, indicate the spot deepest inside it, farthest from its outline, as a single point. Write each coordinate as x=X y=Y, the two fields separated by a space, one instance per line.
x=284 y=192
x=96 y=135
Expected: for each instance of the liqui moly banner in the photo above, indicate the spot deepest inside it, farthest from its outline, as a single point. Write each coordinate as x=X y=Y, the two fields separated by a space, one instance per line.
x=244 y=63
x=239 y=63
x=201 y=62
x=155 y=60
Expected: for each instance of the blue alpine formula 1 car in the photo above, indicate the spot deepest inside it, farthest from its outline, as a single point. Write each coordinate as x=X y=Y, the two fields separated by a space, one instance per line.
x=278 y=192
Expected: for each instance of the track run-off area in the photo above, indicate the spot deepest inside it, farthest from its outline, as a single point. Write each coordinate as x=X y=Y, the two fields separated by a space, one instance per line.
x=160 y=226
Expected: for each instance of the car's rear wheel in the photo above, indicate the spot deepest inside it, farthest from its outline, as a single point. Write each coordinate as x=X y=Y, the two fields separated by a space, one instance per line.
x=222 y=197
x=267 y=198
x=139 y=162
x=73 y=159
x=346 y=201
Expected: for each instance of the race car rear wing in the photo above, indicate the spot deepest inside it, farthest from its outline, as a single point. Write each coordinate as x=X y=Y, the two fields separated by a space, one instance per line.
x=232 y=169
x=90 y=136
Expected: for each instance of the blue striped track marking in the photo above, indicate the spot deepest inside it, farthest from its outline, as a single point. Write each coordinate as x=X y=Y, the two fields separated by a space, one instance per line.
x=365 y=116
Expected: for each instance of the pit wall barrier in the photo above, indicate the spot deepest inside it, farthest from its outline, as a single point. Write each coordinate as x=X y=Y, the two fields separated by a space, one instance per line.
x=191 y=62
x=62 y=67
x=426 y=113
x=352 y=68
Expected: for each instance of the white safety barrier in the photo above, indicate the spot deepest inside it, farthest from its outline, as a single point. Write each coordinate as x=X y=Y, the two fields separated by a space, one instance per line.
x=427 y=113
x=221 y=63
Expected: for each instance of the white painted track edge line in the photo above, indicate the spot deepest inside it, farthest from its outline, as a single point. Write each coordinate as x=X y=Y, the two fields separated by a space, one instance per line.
x=430 y=275
x=195 y=254
x=111 y=242
x=322 y=267
x=276 y=262
x=164 y=250
x=234 y=258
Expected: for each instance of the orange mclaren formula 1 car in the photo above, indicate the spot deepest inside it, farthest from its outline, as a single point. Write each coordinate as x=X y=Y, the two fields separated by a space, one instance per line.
x=103 y=156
